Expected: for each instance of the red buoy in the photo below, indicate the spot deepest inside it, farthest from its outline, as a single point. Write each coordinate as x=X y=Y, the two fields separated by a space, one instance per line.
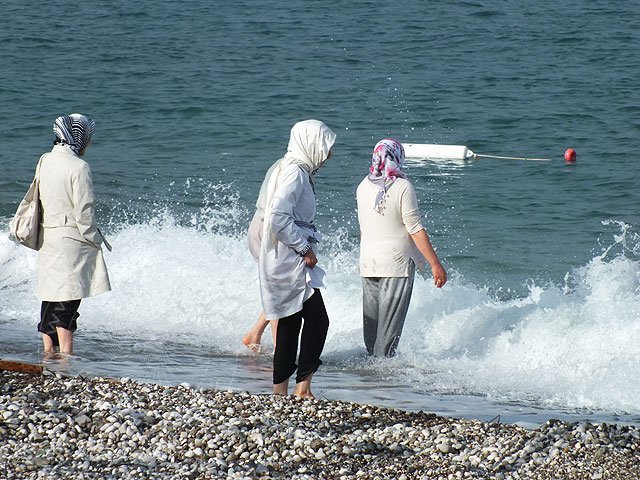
x=570 y=155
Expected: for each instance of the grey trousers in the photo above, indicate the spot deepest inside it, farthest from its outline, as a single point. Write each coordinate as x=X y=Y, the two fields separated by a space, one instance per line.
x=385 y=305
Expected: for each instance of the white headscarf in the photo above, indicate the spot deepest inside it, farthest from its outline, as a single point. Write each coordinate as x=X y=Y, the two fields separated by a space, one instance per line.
x=310 y=142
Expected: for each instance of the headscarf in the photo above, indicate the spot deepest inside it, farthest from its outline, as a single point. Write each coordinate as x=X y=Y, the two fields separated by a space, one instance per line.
x=386 y=166
x=309 y=144
x=74 y=131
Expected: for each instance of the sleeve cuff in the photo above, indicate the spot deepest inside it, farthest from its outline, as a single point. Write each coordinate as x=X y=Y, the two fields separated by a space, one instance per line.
x=306 y=248
x=415 y=228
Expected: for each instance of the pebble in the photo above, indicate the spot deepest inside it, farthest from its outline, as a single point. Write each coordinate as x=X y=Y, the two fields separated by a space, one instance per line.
x=58 y=427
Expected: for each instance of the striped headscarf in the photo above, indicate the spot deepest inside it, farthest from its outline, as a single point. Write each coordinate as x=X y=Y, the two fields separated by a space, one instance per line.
x=74 y=130
x=386 y=166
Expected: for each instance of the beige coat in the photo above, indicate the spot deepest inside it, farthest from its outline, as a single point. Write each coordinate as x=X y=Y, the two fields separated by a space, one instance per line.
x=70 y=261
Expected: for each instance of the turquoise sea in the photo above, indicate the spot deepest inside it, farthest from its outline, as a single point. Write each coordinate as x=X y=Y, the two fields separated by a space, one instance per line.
x=194 y=101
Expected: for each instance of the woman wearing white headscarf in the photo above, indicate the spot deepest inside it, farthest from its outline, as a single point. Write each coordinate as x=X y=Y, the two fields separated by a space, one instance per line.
x=392 y=242
x=70 y=261
x=289 y=277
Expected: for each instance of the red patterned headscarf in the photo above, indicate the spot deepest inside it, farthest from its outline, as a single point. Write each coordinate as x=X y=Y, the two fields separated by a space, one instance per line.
x=387 y=160
x=386 y=166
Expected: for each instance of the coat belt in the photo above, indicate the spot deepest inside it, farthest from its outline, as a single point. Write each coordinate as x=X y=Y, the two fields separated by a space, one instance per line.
x=60 y=220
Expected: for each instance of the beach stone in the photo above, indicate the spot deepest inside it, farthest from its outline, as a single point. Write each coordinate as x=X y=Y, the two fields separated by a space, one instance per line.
x=176 y=432
x=444 y=447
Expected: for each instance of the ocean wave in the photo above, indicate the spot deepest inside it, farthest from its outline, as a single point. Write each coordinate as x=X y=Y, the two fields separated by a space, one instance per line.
x=572 y=345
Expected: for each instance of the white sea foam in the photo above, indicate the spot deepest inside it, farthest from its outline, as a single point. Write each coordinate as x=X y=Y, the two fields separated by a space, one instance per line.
x=559 y=347
x=571 y=346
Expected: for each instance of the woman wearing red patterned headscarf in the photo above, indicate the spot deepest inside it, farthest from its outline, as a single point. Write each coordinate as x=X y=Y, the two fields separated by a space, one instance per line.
x=393 y=241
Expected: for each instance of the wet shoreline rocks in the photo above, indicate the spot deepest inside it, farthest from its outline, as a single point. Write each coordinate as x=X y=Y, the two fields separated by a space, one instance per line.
x=72 y=427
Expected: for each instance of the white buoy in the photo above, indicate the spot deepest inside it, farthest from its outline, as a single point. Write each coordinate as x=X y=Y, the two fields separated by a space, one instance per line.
x=424 y=151
x=437 y=152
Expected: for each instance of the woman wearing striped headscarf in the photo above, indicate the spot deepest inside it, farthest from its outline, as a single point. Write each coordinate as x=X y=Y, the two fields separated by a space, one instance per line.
x=70 y=261
x=392 y=242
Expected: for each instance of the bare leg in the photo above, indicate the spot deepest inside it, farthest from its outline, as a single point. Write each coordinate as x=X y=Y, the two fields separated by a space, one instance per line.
x=274 y=332
x=49 y=347
x=281 y=388
x=303 y=388
x=66 y=340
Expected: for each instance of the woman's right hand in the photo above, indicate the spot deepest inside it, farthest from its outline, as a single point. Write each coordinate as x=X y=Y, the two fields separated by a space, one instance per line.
x=310 y=259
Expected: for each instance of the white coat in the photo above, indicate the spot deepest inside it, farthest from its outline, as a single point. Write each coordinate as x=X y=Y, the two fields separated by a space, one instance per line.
x=70 y=261
x=285 y=281
x=289 y=209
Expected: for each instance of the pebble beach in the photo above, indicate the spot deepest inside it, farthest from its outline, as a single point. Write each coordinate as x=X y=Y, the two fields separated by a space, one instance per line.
x=58 y=427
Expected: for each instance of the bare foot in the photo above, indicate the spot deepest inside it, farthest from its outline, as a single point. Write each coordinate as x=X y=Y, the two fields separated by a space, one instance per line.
x=303 y=388
x=253 y=338
x=304 y=394
x=253 y=346
x=281 y=388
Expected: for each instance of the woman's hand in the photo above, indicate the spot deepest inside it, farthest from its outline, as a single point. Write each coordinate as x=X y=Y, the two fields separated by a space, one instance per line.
x=423 y=243
x=439 y=275
x=310 y=259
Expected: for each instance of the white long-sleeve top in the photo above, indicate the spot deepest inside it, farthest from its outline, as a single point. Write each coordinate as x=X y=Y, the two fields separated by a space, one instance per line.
x=386 y=246
x=284 y=277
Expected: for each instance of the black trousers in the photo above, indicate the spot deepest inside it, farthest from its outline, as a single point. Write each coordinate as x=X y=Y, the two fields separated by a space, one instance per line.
x=314 y=334
x=58 y=314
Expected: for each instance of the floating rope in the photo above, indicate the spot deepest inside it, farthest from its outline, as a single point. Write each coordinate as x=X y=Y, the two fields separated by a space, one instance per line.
x=476 y=155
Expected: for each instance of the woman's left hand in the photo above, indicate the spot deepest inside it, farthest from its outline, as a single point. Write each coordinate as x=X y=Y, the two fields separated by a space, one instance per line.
x=439 y=275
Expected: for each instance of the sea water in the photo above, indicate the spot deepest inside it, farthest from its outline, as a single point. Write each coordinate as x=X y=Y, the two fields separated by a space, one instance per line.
x=540 y=317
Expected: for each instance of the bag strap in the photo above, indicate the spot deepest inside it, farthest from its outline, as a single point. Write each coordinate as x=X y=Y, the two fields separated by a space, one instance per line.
x=37 y=175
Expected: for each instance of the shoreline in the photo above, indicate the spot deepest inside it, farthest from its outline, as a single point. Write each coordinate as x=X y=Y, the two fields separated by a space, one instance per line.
x=75 y=427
